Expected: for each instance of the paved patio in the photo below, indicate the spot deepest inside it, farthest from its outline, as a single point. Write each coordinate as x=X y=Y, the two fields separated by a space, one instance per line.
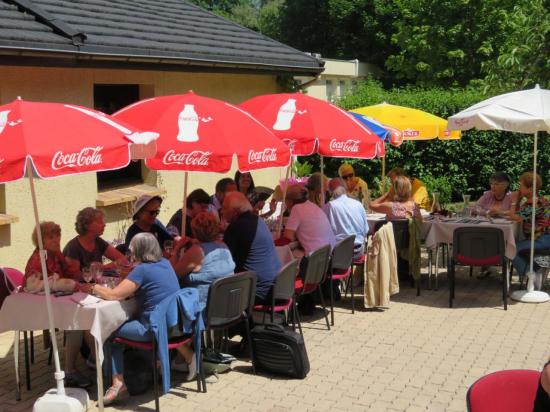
x=418 y=355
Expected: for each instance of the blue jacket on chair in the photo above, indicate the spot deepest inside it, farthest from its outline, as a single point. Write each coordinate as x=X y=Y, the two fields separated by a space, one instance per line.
x=183 y=305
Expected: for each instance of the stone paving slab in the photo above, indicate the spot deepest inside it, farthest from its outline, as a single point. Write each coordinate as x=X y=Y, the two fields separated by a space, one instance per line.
x=418 y=355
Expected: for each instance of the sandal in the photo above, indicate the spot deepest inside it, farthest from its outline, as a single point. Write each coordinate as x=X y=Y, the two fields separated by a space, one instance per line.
x=115 y=393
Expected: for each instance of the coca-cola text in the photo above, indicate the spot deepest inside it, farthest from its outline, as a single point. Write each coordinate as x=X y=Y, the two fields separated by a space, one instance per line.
x=88 y=156
x=349 y=145
x=266 y=155
x=194 y=158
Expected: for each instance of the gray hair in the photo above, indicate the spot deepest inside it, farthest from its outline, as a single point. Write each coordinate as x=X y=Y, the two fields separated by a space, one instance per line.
x=85 y=217
x=145 y=248
x=238 y=201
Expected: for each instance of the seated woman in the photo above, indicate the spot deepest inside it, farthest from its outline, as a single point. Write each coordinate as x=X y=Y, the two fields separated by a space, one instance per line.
x=419 y=192
x=521 y=210
x=152 y=280
x=497 y=201
x=206 y=261
x=356 y=187
x=315 y=189
x=397 y=203
x=145 y=212
x=61 y=279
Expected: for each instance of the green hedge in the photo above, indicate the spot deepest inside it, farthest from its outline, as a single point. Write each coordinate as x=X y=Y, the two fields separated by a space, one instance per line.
x=451 y=167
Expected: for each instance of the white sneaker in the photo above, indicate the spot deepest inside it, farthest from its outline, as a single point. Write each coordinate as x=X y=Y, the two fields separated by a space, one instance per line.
x=179 y=366
x=192 y=369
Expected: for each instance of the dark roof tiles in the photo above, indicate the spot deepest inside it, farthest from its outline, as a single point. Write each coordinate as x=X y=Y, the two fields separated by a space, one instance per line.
x=160 y=29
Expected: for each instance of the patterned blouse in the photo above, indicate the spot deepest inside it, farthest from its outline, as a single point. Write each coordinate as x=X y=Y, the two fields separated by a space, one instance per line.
x=55 y=262
x=542 y=217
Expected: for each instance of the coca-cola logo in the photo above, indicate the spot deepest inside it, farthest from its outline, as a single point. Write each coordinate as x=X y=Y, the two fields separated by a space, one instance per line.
x=88 y=156
x=411 y=133
x=349 y=145
x=194 y=158
x=267 y=155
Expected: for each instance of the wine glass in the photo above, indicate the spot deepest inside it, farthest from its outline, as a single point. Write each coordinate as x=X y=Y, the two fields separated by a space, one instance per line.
x=96 y=270
x=169 y=247
x=86 y=275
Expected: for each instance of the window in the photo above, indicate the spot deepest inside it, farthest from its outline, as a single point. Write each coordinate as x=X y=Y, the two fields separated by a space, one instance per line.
x=343 y=88
x=330 y=90
x=109 y=98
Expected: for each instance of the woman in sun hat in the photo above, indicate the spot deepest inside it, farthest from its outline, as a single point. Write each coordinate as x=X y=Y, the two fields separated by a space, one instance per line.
x=145 y=212
x=357 y=188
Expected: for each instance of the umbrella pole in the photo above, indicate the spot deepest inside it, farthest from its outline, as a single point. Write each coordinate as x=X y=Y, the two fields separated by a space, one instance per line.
x=283 y=208
x=184 y=208
x=533 y=208
x=383 y=177
x=59 y=374
x=322 y=181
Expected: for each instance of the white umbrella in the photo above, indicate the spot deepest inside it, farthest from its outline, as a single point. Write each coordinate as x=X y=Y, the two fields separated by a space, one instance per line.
x=525 y=111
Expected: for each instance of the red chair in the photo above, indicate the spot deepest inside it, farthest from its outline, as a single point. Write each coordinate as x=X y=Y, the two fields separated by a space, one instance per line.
x=340 y=270
x=478 y=246
x=282 y=294
x=504 y=391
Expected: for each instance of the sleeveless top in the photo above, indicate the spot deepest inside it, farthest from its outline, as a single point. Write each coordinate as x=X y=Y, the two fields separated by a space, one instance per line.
x=404 y=210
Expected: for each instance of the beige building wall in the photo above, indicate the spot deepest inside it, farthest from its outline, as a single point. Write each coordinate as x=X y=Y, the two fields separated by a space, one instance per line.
x=60 y=199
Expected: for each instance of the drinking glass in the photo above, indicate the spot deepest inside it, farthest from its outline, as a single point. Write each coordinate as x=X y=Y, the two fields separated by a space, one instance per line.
x=96 y=270
x=169 y=247
x=86 y=275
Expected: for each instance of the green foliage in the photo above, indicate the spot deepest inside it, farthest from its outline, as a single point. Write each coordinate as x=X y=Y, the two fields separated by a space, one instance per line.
x=441 y=185
x=302 y=169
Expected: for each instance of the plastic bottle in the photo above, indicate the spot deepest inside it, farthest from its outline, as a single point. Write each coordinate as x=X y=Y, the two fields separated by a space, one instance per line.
x=188 y=124
x=285 y=115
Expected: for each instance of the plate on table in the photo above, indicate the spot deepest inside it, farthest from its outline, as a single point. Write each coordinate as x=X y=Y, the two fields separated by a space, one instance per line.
x=376 y=216
x=501 y=221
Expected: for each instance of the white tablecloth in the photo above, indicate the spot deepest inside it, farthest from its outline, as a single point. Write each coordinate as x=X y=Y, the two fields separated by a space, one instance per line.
x=374 y=218
x=442 y=232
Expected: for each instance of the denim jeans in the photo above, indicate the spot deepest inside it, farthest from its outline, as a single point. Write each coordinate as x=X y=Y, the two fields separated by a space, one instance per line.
x=520 y=263
x=134 y=330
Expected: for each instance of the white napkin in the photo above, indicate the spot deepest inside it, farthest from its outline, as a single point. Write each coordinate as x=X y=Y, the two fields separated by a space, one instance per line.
x=84 y=299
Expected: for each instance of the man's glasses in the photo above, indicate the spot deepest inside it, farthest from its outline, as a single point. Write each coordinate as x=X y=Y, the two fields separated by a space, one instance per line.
x=153 y=212
x=346 y=177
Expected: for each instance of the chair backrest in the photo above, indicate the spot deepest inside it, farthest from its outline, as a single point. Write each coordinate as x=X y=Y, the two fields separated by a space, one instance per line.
x=342 y=255
x=478 y=246
x=283 y=288
x=10 y=282
x=401 y=233
x=317 y=265
x=504 y=391
x=229 y=297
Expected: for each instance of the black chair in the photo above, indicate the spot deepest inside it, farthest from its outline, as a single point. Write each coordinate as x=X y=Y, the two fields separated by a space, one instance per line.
x=340 y=269
x=314 y=275
x=229 y=303
x=282 y=295
x=478 y=246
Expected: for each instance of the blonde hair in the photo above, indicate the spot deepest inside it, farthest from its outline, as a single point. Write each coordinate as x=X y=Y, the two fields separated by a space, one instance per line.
x=402 y=188
x=527 y=180
x=206 y=227
x=46 y=229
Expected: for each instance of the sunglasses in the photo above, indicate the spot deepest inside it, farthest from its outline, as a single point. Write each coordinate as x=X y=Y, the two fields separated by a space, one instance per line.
x=346 y=177
x=153 y=212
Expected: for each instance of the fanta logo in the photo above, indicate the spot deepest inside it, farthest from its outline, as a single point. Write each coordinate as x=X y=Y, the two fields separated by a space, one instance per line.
x=194 y=158
x=88 y=156
x=349 y=145
x=411 y=133
x=266 y=155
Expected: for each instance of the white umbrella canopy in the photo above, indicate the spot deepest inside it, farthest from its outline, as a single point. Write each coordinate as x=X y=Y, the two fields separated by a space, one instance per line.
x=525 y=111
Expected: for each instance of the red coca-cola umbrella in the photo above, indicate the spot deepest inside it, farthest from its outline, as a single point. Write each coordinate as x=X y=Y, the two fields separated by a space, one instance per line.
x=309 y=125
x=60 y=139
x=201 y=134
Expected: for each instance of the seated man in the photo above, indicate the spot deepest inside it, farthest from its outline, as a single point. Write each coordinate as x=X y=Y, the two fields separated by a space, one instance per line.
x=250 y=243
x=223 y=186
x=419 y=193
x=197 y=201
x=346 y=216
x=307 y=221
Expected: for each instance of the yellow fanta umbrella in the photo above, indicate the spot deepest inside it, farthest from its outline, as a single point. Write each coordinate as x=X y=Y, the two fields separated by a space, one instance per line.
x=413 y=123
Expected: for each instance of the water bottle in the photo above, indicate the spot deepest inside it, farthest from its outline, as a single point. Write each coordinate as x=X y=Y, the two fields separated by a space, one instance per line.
x=285 y=115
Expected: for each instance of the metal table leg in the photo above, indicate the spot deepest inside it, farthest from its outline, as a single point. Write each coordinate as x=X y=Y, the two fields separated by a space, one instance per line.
x=16 y=361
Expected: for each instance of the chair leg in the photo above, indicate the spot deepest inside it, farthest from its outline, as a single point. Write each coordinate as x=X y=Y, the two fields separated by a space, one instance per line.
x=248 y=336
x=32 y=347
x=324 y=307
x=155 y=377
x=16 y=361
x=350 y=285
x=471 y=271
x=27 y=365
x=296 y=315
x=451 y=285
x=331 y=302
x=505 y=285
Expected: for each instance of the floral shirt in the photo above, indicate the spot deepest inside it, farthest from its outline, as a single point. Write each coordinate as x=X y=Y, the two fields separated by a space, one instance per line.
x=55 y=262
x=542 y=217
